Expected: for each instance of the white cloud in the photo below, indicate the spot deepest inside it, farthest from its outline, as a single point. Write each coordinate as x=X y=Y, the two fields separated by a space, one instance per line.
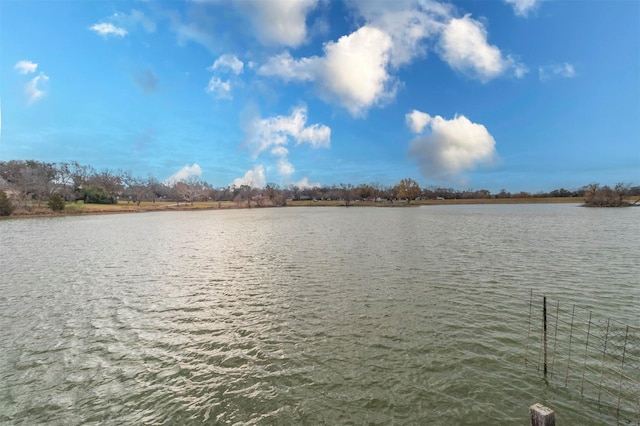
x=33 y=89
x=106 y=29
x=417 y=120
x=464 y=47
x=218 y=88
x=285 y=168
x=279 y=22
x=274 y=134
x=352 y=72
x=25 y=67
x=408 y=23
x=287 y=68
x=227 y=62
x=304 y=183
x=355 y=69
x=254 y=178
x=452 y=147
x=523 y=7
x=184 y=174
x=265 y=133
x=565 y=70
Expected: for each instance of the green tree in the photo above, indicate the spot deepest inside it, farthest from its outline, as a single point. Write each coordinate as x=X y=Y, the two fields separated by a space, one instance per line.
x=6 y=208
x=56 y=202
x=97 y=195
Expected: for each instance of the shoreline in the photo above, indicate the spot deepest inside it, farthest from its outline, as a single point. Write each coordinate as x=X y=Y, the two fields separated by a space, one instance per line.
x=147 y=207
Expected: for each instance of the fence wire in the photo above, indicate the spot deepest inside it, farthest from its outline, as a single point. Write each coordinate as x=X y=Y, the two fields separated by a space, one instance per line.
x=598 y=357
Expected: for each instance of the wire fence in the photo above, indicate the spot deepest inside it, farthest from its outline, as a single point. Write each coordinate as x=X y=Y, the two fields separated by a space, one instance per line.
x=577 y=350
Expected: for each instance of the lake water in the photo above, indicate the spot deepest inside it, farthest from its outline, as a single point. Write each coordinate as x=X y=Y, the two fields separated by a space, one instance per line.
x=300 y=315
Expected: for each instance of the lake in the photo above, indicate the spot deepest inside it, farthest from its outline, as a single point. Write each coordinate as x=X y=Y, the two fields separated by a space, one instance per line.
x=310 y=315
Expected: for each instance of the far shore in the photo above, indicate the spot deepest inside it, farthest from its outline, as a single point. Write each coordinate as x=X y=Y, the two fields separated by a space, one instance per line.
x=80 y=208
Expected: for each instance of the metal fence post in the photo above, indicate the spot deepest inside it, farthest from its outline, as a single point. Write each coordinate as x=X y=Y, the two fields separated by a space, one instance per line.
x=544 y=331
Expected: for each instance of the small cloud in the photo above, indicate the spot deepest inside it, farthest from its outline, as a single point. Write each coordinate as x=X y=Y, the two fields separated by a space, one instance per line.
x=304 y=183
x=452 y=147
x=465 y=48
x=33 y=89
x=253 y=178
x=106 y=29
x=147 y=81
x=218 y=88
x=285 y=168
x=265 y=133
x=227 y=62
x=184 y=174
x=417 y=120
x=274 y=134
x=565 y=70
x=25 y=67
x=523 y=7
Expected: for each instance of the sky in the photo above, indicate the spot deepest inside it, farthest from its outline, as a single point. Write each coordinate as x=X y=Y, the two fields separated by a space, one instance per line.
x=522 y=95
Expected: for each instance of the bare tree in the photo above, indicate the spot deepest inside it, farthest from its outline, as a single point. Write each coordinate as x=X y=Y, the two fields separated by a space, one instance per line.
x=597 y=196
x=409 y=189
x=190 y=190
x=347 y=193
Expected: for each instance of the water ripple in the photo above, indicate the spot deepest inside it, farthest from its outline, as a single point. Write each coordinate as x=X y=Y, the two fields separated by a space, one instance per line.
x=296 y=316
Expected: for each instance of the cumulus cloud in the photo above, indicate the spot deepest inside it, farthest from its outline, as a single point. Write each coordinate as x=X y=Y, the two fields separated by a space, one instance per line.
x=184 y=174
x=564 y=70
x=417 y=120
x=33 y=89
x=285 y=168
x=464 y=47
x=523 y=7
x=279 y=22
x=253 y=178
x=227 y=62
x=408 y=23
x=452 y=146
x=25 y=67
x=357 y=70
x=274 y=132
x=304 y=183
x=353 y=71
x=107 y=29
x=274 y=135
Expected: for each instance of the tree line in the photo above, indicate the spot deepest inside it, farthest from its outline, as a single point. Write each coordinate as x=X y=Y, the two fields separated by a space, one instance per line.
x=25 y=184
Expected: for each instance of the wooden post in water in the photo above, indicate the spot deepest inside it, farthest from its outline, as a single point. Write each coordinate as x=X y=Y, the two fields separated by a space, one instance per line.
x=544 y=329
x=541 y=415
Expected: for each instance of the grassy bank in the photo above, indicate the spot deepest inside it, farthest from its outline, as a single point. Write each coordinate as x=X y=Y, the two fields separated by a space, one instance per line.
x=123 y=207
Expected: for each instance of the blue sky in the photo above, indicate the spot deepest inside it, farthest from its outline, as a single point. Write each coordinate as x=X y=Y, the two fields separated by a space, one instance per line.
x=517 y=94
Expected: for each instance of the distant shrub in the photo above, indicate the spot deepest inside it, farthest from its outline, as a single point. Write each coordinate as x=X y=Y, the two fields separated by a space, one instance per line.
x=97 y=195
x=56 y=202
x=6 y=208
x=597 y=196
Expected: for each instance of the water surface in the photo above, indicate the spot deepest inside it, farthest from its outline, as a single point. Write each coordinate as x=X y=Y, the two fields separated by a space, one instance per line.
x=300 y=315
